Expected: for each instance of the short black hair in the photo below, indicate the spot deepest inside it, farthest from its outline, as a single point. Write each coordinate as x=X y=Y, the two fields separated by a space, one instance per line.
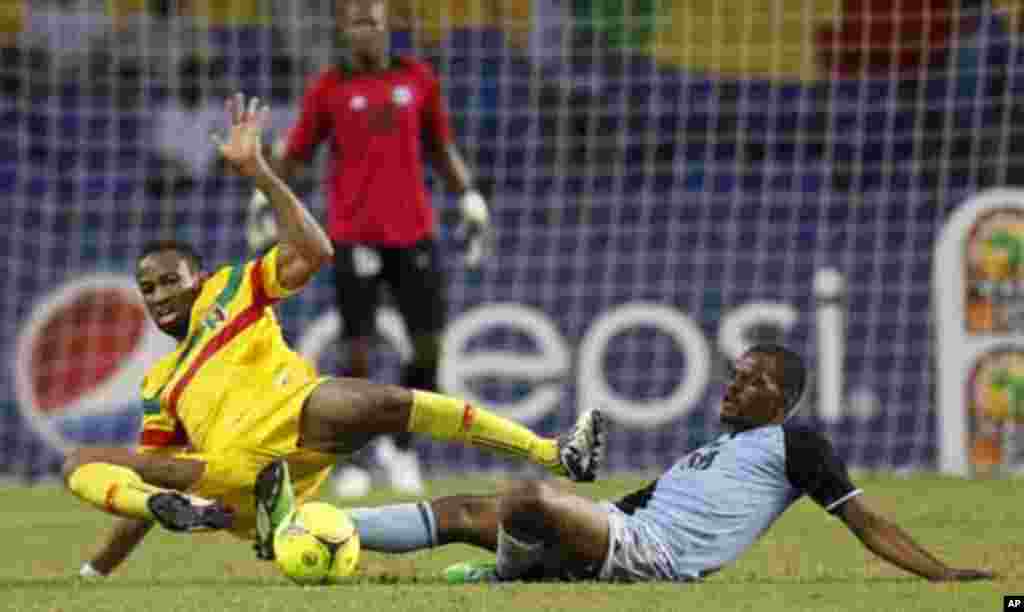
x=184 y=249
x=794 y=373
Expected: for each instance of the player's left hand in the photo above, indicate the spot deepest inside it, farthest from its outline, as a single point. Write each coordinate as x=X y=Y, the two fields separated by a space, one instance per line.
x=475 y=228
x=243 y=146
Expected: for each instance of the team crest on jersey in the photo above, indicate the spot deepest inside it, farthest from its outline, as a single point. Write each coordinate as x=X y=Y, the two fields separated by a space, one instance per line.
x=357 y=103
x=215 y=316
x=401 y=95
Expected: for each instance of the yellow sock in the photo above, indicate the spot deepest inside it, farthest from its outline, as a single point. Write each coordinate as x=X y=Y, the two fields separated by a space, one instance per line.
x=113 y=488
x=449 y=419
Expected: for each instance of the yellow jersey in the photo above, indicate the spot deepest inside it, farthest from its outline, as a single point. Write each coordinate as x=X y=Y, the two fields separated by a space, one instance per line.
x=232 y=381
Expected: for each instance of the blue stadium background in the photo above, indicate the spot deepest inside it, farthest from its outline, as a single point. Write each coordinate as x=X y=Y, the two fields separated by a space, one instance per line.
x=618 y=179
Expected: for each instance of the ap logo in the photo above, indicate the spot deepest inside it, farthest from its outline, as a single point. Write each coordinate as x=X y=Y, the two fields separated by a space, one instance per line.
x=1013 y=602
x=80 y=358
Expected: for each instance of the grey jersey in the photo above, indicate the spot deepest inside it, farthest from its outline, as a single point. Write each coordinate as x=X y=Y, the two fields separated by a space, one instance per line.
x=715 y=502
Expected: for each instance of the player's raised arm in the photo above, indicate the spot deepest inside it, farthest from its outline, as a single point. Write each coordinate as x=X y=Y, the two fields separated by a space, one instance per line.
x=891 y=543
x=304 y=247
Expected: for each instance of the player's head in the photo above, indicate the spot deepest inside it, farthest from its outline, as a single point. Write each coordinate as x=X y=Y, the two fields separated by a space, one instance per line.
x=170 y=276
x=363 y=25
x=767 y=382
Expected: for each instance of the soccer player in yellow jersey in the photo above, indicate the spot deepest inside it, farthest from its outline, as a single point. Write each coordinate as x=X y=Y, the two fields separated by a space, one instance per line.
x=233 y=399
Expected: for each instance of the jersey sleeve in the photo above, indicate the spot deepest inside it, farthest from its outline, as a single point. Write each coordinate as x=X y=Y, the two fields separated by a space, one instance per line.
x=312 y=126
x=266 y=285
x=813 y=467
x=160 y=430
x=436 y=124
x=637 y=499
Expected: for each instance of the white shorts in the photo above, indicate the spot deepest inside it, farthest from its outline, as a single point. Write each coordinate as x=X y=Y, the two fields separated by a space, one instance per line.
x=636 y=551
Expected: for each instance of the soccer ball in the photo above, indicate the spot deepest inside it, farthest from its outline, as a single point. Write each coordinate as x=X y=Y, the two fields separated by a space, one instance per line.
x=318 y=545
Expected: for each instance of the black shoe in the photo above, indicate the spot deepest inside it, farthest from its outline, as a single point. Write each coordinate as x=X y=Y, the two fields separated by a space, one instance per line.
x=581 y=449
x=177 y=512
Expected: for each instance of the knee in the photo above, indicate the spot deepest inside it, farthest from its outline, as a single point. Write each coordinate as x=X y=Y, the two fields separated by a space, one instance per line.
x=352 y=410
x=469 y=519
x=352 y=400
x=466 y=512
x=79 y=457
x=527 y=500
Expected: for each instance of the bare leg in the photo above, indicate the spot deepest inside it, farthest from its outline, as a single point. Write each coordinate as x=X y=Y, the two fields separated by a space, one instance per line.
x=467 y=519
x=573 y=527
x=158 y=470
x=549 y=526
x=407 y=527
x=343 y=414
x=144 y=487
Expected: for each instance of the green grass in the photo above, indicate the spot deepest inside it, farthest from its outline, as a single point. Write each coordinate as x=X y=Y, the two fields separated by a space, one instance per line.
x=808 y=561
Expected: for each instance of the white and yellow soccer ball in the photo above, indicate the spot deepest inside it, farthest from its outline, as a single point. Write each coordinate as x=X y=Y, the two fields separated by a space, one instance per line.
x=317 y=544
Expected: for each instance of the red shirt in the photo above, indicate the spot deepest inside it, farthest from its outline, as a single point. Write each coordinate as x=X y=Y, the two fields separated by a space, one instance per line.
x=375 y=121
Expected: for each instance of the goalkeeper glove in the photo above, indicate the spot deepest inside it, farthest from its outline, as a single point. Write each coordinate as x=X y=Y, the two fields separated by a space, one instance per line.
x=474 y=227
x=261 y=224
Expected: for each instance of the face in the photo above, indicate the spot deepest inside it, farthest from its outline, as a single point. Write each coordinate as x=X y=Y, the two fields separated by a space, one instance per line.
x=364 y=23
x=169 y=287
x=754 y=397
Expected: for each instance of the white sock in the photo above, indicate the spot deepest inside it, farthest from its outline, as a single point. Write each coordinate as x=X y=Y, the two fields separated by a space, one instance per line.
x=516 y=557
x=397 y=528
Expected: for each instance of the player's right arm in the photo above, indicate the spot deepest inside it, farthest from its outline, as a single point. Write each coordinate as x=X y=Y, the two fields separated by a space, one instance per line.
x=287 y=159
x=160 y=434
x=449 y=163
x=895 y=545
x=123 y=539
x=815 y=468
x=303 y=245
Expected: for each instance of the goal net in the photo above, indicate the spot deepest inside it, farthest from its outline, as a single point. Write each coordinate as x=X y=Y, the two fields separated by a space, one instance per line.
x=667 y=178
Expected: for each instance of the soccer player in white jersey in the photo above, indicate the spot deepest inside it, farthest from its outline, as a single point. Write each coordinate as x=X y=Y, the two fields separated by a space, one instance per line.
x=697 y=517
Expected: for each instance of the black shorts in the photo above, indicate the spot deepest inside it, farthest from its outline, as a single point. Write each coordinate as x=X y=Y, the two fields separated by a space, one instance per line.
x=412 y=274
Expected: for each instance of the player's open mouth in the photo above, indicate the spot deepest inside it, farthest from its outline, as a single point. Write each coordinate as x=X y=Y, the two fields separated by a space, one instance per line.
x=362 y=27
x=166 y=318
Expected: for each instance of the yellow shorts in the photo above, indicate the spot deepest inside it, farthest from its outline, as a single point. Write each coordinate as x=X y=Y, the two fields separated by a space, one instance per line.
x=233 y=464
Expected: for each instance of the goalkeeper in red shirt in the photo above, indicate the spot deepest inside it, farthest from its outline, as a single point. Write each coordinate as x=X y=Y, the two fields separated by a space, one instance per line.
x=382 y=114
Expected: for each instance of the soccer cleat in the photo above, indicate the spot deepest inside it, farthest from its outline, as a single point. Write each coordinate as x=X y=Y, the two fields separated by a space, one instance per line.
x=275 y=500
x=581 y=449
x=469 y=572
x=177 y=512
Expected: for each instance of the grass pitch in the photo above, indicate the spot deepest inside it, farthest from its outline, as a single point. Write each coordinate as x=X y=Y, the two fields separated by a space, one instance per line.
x=808 y=561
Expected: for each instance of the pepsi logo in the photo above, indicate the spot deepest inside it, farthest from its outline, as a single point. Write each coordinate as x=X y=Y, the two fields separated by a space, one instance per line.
x=80 y=359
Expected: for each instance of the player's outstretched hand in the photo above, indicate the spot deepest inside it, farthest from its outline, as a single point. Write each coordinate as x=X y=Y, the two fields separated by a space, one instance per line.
x=242 y=148
x=967 y=575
